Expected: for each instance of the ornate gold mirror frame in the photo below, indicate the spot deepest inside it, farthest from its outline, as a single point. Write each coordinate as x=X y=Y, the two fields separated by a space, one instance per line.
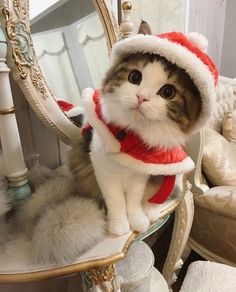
x=14 y=16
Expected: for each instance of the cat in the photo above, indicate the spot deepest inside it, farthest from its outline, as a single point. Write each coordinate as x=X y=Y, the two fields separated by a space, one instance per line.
x=158 y=91
x=153 y=98
x=145 y=98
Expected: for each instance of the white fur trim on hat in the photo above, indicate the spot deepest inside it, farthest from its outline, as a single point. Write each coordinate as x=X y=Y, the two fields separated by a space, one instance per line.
x=198 y=40
x=182 y=57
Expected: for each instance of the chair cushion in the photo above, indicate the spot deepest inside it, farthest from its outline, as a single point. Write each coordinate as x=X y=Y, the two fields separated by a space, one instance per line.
x=220 y=200
x=203 y=276
x=215 y=235
x=219 y=160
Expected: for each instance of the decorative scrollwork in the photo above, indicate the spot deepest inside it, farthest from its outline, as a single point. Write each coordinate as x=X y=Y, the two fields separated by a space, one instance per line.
x=183 y=223
x=21 y=10
x=102 y=277
x=37 y=80
x=116 y=26
x=22 y=48
x=111 y=27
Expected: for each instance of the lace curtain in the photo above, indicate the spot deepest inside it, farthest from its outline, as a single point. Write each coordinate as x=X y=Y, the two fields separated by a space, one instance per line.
x=52 y=53
x=57 y=60
x=92 y=39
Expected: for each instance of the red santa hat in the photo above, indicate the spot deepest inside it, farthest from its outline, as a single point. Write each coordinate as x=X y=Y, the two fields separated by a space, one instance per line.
x=69 y=109
x=187 y=52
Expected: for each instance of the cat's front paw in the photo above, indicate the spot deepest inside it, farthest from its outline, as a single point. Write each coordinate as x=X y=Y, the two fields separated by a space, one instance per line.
x=152 y=211
x=138 y=221
x=118 y=226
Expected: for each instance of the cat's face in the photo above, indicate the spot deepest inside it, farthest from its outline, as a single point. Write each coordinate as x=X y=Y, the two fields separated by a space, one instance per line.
x=146 y=91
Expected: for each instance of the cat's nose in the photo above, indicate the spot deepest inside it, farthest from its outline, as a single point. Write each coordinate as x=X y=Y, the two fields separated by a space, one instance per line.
x=141 y=98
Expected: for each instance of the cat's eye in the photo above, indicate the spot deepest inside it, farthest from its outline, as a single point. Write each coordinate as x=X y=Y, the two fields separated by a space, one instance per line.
x=135 y=77
x=167 y=91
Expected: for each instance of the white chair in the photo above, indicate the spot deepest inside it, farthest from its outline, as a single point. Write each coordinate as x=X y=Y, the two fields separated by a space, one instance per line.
x=213 y=234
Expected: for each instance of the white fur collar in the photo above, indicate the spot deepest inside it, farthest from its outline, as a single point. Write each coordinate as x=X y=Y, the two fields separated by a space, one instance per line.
x=113 y=147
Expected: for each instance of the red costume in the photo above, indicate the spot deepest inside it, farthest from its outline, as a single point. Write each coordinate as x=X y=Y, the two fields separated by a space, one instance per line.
x=131 y=145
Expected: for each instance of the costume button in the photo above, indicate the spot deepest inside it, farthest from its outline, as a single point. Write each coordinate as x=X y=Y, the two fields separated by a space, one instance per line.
x=121 y=135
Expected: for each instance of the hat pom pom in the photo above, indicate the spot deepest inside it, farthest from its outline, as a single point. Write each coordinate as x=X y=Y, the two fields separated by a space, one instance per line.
x=198 y=40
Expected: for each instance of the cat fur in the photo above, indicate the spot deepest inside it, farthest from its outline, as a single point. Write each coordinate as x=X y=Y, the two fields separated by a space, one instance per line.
x=58 y=221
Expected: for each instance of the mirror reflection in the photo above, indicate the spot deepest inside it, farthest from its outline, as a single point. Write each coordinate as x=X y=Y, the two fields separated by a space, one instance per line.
x=70 y=45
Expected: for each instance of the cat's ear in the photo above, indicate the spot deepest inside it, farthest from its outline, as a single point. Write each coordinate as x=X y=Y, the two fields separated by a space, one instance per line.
x=144 y=28
x=198 y=40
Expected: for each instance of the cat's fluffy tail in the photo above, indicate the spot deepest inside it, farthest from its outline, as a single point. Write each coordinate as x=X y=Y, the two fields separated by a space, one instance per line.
x=60 y=224
x=67 y=230
x=82 y=170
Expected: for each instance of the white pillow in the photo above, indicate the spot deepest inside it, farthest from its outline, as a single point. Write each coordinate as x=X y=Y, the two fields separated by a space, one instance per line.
x=219 y=160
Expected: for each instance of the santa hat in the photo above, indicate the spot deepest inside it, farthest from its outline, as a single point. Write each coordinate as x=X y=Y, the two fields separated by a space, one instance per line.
x=187 y=52
x=69 y=109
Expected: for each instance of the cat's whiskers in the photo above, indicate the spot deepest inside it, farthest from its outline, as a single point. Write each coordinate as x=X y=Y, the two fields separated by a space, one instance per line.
x=159 y=133
x=144 y=121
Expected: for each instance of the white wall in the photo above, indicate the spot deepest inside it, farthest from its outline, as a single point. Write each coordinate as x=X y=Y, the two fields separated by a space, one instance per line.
x=228 y=59
x=36 y=7
x=69 y=12
x=208 y=17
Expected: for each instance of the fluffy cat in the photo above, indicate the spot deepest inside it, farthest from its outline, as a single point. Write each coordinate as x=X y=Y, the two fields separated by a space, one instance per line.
x=150 y=100
x=155 y=99
x=157 y=92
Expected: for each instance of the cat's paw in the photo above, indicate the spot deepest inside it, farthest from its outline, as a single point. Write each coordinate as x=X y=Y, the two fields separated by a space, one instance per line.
x=138 y=221
x=118 y=226
x=152 y=211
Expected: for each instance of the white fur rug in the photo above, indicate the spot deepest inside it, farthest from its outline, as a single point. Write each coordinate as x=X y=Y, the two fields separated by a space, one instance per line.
x=203 y=276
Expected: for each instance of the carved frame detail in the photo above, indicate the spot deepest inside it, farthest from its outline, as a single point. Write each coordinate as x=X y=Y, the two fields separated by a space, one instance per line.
x=101 y=277
x=183 y=222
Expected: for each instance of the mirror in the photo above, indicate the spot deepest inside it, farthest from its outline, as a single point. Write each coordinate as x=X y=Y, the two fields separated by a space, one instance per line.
x=61 y=34
x=70 y=46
